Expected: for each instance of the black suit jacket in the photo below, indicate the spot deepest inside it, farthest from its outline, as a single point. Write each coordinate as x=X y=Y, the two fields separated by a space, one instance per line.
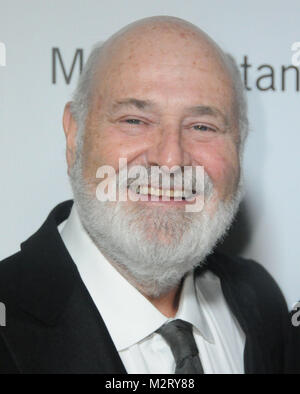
x=53 y=325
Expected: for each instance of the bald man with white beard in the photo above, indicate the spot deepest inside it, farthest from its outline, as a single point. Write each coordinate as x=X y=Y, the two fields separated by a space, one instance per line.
x=129 y=285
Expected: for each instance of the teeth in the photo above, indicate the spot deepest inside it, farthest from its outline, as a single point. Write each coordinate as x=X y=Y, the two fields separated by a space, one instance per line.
x=160 y=192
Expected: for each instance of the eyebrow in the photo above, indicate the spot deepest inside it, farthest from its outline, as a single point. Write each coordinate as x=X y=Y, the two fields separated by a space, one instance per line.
x=207 y=110
x=198 y=110
x=133 y=102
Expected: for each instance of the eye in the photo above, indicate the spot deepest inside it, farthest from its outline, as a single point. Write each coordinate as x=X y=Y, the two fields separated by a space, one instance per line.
x=133 y=121
x=203 y=127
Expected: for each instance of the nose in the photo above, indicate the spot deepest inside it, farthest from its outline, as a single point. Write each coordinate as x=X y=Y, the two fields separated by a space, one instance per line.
x=168 y=149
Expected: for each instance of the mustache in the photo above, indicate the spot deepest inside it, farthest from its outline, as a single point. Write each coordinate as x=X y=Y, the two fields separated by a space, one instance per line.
x=189 y=179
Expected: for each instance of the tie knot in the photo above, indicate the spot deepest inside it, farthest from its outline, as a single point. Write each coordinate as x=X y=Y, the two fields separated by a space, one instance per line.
x=179 y=336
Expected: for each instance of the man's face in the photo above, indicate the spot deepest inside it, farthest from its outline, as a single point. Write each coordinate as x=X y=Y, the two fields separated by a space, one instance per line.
x=168 y=105
x=159 y=105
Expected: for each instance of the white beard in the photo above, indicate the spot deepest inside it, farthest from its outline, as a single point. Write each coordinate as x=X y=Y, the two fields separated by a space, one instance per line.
x=152 y=247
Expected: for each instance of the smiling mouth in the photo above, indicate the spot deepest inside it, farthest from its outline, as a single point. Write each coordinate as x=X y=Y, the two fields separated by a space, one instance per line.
x=169 y=193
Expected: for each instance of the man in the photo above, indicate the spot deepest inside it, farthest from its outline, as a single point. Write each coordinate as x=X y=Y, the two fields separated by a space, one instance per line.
x=132 y=285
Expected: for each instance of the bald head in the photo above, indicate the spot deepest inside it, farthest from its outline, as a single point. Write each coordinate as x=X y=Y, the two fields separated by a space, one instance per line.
x=162 y=33
x=161 y=39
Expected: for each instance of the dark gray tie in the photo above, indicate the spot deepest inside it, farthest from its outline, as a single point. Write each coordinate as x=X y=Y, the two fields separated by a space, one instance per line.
x=179 y=336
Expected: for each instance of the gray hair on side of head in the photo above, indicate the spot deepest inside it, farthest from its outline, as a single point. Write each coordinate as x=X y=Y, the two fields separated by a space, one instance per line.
x=240 y=99
x=84 y=91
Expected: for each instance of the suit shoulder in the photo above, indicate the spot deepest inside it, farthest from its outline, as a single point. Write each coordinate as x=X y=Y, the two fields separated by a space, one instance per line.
x=8 y=264
x=248 y=274
x=241 y=267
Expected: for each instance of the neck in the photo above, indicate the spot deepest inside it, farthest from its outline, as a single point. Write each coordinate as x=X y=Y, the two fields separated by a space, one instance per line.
x=168 y=303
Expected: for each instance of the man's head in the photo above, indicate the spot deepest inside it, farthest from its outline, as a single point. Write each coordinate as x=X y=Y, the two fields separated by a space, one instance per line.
x=159 y=92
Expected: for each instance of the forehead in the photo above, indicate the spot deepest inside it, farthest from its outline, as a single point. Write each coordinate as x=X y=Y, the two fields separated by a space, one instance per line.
x=169 y=66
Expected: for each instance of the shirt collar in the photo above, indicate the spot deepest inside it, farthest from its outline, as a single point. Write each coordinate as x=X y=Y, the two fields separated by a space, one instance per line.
x=190 y=309
x=127 y=314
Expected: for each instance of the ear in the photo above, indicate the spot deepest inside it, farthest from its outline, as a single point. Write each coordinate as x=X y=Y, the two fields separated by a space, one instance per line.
x=70 y=129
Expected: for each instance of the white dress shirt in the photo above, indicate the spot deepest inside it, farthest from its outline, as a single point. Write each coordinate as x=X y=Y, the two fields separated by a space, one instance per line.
x=132 y=320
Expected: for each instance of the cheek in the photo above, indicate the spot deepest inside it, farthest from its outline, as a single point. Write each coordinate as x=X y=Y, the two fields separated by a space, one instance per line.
x=221 y=161
x=98 y=153
x=106 y=147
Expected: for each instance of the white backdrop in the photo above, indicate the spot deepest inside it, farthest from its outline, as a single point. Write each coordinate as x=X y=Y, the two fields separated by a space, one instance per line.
x=32 y=159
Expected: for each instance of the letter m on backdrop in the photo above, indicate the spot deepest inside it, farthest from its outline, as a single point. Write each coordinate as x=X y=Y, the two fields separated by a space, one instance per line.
x=57 y=58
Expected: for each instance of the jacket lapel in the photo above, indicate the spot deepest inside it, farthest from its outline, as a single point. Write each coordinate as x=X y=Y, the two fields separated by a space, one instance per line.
x=243 y=303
